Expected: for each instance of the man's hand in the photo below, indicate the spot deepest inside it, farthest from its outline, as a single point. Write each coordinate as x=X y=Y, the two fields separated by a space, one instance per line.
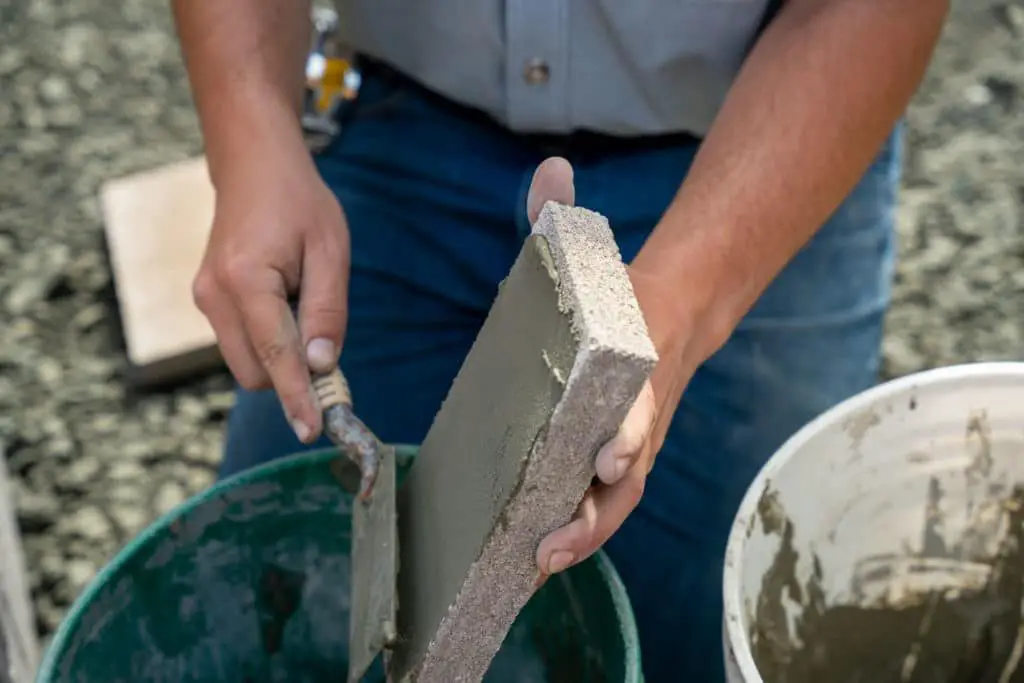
x=734 y=225
x=624 y=462
x=277 y=231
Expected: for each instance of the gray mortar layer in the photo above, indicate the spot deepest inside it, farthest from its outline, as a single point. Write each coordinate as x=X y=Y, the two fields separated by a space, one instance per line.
x=558 y=363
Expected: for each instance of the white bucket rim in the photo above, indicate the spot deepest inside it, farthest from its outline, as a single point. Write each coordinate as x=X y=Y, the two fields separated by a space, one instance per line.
x=738 y=643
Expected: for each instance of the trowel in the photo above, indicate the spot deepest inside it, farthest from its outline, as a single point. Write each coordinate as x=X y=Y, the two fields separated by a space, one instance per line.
x=373 y=619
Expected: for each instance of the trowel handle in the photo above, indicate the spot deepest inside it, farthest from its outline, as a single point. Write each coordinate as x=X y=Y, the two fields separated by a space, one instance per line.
x=332 y=389
x=347 y=431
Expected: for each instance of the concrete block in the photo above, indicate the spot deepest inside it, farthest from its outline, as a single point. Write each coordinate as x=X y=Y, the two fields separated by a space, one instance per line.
x=561 y=358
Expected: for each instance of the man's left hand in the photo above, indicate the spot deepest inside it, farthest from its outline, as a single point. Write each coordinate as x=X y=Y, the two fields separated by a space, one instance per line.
x=625 y=461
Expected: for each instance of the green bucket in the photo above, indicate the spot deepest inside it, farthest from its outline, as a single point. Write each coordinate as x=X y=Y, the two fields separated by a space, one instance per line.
x=248 y=582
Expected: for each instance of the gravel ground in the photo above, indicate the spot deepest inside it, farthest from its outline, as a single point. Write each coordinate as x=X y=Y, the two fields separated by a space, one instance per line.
x=93 y=89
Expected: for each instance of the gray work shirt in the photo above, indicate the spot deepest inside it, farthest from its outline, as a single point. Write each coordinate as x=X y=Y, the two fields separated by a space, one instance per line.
x=622 y=67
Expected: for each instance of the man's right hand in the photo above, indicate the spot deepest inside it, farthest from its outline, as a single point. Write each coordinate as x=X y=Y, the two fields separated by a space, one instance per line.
x=278 y=231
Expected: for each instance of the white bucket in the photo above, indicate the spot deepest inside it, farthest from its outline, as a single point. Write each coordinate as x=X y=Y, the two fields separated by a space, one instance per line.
x=859 y=485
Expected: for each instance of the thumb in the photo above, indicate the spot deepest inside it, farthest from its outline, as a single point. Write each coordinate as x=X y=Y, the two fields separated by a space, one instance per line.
x=552 y=182
x=323 y=302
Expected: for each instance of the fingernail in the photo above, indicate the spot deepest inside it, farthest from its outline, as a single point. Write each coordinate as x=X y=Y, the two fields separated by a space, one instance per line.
x=321 y=355
x=301 y=430
x=560 y=560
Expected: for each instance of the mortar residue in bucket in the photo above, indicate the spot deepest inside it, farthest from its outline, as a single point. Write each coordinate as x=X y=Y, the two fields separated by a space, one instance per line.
x=972 y=636
x=884 y=542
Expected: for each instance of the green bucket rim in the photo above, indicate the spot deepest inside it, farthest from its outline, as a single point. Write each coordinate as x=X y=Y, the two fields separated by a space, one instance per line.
x=405 y=455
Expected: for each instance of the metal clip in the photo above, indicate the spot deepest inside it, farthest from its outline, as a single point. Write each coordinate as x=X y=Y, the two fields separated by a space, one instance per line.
x=331 y=80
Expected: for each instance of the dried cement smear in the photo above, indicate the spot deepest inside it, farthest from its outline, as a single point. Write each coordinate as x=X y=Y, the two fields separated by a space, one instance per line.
x=971 y=636
x=974 y=637
x=558 y=363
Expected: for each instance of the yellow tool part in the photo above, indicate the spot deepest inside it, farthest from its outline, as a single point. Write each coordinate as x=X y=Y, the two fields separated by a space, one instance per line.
x=331 y=84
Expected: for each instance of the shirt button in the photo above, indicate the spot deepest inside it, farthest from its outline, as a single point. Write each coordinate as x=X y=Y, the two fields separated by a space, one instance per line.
x=537 y=71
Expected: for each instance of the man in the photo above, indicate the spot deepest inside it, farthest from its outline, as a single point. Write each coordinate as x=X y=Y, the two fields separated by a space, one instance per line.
x=746 y=155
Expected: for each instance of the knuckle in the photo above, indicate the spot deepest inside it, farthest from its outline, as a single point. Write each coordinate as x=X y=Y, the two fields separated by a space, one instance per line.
x=332 y=207
x=295 y=399
x=204 y=291
x=270 y=353
x=252 y=380
x=593 y=540
x=633 y=490
x=323 y=310
x=633 y=441
x=235 y=271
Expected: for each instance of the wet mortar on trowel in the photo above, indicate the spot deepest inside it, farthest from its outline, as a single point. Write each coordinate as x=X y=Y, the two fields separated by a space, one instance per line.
x=939 y=636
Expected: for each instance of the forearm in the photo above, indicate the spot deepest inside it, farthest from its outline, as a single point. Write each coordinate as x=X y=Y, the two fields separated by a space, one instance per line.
x=246 y=65
x=809 y=111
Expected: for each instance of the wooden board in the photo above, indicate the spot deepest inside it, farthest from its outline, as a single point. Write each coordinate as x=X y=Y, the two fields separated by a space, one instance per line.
x=157 y=223
x=18 y=643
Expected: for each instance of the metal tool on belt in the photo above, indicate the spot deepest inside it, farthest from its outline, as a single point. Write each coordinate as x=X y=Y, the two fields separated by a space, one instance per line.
x=346 y=431
x=331 y=80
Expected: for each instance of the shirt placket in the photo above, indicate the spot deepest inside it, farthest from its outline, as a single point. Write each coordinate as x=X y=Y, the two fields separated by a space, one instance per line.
x=537 y=64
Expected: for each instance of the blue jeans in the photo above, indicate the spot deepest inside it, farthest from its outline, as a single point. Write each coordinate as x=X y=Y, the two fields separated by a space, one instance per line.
x=436 y=207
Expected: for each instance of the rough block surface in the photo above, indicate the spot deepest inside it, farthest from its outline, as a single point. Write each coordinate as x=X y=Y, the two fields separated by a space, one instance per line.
x=558 y=363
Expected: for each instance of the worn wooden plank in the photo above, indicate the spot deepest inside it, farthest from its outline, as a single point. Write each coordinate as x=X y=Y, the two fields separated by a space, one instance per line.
x=18 y=643
x=157 y=223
